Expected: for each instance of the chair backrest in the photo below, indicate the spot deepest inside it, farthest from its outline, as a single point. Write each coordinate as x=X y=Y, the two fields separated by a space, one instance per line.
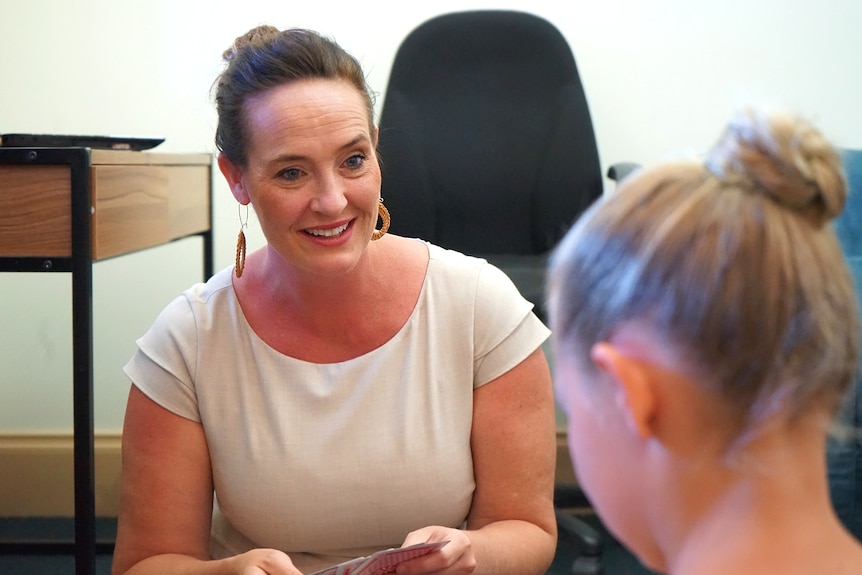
x=485 y=135
x=848 y=225
x=843 y=455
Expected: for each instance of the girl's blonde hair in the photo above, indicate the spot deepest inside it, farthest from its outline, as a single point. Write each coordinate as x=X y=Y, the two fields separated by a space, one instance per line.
x=732 y=260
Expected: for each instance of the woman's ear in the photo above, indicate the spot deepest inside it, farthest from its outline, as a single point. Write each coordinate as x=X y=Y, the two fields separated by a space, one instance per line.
x=635 y=388
x=233 y=174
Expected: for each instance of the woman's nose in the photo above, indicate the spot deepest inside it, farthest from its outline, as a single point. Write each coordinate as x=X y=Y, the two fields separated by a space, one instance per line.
x=329 y=197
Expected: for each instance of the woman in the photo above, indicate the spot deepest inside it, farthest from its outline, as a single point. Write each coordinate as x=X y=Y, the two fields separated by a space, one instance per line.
x=340 y=390
x=705 y=330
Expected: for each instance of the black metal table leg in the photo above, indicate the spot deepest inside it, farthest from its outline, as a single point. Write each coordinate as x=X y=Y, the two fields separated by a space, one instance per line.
x=82 y=356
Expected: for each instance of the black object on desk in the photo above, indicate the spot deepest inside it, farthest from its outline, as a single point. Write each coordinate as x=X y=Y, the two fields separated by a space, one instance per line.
x=79 y=141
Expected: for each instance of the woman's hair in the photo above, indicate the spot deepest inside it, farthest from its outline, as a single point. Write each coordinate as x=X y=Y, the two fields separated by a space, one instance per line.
x=733 y=261
x=265 y=57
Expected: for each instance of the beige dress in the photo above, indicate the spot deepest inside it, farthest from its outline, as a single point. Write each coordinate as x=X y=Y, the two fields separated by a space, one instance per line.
x=332 y=461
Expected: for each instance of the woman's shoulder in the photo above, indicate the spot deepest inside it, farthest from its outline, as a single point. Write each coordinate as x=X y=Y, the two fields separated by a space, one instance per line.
x=453 y=257
x=460 y=267
x=198 y=302
x=422 y=251
x=218 y=284
x=459 y=277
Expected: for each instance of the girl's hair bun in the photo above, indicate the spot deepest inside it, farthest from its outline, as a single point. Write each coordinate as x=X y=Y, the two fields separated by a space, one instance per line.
x=784 y=158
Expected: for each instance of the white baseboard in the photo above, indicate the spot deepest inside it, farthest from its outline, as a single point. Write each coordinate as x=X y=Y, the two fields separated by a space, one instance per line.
x=37 y=475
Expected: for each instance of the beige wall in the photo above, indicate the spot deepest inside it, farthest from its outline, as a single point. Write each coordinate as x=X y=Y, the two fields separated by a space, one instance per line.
x=661 y=78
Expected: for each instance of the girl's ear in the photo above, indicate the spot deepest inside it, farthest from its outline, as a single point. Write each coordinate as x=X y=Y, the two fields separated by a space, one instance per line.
x=635 y=390
x=233 y=174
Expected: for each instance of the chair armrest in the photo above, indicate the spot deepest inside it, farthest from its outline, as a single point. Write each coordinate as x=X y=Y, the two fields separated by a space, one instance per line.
x=617 y=172
x=587 y=539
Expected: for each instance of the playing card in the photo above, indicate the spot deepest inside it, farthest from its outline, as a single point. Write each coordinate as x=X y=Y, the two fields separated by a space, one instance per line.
x=342 y=568
x=383 y=562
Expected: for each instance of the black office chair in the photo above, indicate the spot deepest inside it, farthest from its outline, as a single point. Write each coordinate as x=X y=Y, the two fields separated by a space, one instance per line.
x=488 y=148
x=844 y=450
x=487 y=142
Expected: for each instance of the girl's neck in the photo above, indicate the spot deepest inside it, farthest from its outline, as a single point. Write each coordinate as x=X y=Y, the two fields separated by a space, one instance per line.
x=765 y=510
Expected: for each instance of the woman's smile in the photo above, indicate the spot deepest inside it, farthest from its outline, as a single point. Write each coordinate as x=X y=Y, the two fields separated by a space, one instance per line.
x=327 y=232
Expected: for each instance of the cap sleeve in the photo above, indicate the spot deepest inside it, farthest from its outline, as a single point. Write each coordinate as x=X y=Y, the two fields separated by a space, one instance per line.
x=506 y=331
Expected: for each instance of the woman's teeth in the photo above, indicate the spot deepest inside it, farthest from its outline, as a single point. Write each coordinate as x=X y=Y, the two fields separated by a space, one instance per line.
x=328 y=233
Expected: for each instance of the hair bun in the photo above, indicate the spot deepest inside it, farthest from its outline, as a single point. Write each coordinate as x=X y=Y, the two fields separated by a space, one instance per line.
x=785 y=158
x=255 y=36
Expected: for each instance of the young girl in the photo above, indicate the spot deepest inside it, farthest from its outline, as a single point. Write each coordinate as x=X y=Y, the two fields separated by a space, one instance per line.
x=705 y=330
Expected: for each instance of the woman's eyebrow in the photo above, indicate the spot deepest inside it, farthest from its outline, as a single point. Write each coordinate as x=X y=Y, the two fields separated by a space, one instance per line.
x=360 y=138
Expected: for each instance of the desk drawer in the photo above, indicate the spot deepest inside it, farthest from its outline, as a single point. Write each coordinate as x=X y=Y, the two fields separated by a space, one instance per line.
x=133 y=206
x=136 y=207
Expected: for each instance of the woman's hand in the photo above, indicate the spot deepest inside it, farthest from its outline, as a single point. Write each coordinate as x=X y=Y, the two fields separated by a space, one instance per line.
x=454 y=558
x=262 y=562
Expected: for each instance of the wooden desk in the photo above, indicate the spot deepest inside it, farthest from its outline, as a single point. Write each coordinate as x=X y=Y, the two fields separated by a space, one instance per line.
x=62 y=210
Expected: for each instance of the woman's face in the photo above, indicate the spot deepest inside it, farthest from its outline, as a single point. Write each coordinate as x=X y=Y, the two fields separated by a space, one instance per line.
x=312 y=173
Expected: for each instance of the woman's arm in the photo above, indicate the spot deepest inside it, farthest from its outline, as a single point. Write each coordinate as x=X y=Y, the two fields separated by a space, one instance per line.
x=511 y=528
x=166 y=500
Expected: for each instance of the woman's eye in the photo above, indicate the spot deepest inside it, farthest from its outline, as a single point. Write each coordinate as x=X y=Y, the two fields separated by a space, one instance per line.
x=290 y=174
x=355 y=161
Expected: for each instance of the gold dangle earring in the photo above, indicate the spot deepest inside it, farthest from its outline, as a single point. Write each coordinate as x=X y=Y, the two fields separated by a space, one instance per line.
x=240 y=240
x=384 y=215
